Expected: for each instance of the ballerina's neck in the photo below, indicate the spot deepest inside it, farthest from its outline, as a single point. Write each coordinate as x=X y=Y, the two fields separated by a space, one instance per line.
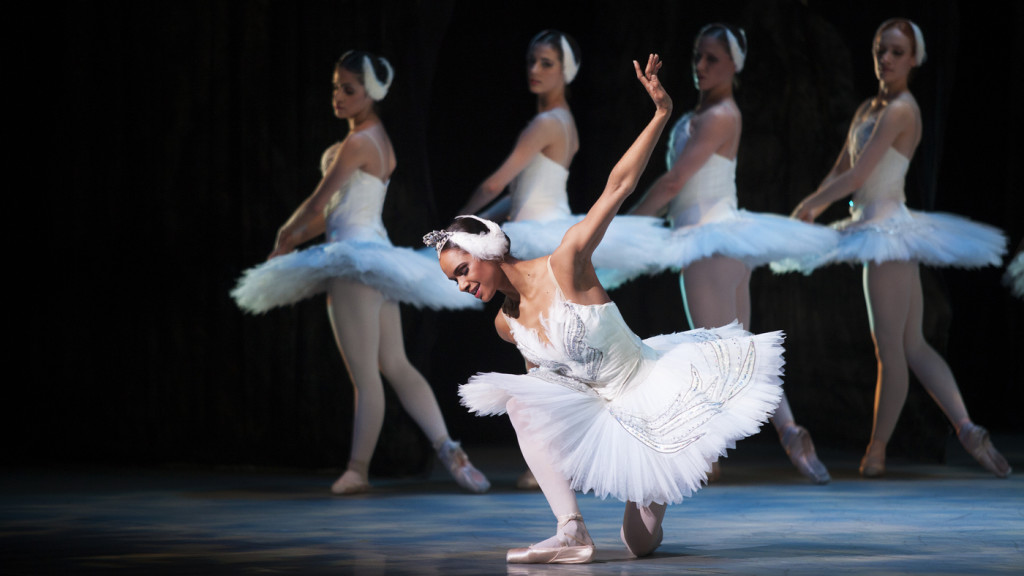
x=552 y=100
x=889 y=91
x=364 y=121
x=714 y=96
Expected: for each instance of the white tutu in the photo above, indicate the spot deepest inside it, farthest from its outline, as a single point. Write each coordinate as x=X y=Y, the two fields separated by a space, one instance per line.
x=754 y=238
x=882 y=229
x=400 y=274
x=357 y=249
x=932 y=238
x=634 y=420
x=707 y=222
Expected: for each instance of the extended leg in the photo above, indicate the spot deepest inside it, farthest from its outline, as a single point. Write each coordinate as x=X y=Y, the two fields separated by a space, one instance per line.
x=934 y=374
x=418 y=399
x=354 y=310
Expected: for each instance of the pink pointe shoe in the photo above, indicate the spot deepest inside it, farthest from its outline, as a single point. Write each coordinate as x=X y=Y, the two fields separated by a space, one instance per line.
x=977 y=443
x=351 y=482
x=565 y=547
x=465 y=474
x=872 y=466
x=797 y=442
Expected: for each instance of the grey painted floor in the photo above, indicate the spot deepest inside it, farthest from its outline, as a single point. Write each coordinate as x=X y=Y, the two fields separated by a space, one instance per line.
x=761 y=518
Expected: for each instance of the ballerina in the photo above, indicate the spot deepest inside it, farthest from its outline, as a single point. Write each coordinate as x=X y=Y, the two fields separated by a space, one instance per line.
x=891 y=241
x=601 y=410
x=535 y=213
x=715 y=246
x=363 y=274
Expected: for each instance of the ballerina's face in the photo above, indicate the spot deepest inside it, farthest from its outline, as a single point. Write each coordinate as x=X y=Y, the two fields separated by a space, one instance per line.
x=712 y=64
x=348 y=98
x=474 y=276
x=544 y=69
x=894 y=56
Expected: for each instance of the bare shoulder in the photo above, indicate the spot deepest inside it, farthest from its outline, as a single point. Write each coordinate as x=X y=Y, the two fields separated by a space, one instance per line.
x=354 y=145
x=545 y=123
x=901 y=111
x=722 y=117
x=501 y=326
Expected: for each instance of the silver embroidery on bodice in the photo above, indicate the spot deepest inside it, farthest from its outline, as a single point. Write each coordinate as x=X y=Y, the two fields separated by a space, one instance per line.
x=589 y=349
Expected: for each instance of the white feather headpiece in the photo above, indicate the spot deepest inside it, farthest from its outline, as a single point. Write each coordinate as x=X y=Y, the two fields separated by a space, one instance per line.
x=569 y=64
x=919 y=53
x=374 y=88
x=493 y=245
x=739 y=56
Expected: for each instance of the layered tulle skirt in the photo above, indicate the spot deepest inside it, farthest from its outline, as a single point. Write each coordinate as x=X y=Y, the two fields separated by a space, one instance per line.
x=705 y=390
x=752 y=237
x=400 y=274
x=931 y=238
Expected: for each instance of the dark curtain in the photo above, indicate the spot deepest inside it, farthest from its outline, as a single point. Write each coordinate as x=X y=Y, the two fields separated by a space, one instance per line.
x=197 y=128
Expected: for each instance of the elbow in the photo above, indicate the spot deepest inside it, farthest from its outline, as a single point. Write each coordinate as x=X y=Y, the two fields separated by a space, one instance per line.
x=490 y=188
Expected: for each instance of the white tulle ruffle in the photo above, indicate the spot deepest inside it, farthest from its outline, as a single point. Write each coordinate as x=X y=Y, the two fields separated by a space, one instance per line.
x=629 y=248
x=400 y=274
x=931 y=238
x=710 y=388
x=753 y=237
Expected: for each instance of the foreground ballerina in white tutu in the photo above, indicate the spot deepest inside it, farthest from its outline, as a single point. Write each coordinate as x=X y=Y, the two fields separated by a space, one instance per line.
x=600 y=410
x=535 y=213
x=363 y=274
x=714 y=244
x=891 y=241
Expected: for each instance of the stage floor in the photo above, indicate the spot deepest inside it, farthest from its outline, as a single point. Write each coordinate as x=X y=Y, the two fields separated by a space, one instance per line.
x=761 y=518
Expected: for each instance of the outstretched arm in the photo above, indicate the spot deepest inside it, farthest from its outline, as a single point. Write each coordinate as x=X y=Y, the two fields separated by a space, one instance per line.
x=534 y=138
x=583 y=238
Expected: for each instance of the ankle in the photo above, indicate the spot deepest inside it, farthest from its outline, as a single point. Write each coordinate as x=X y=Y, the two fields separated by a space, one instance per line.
x=962 y=426
x=440 y=441
x=572 y=531
x=360 y=467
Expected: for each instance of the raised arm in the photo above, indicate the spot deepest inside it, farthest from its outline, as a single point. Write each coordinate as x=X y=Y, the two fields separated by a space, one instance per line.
x=307 y=222
x=896 y=120
x=540 y=133
x=711 y=133
x=582 y=239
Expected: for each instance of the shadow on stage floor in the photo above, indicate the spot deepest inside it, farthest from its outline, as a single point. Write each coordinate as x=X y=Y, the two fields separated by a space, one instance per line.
x=761 y=518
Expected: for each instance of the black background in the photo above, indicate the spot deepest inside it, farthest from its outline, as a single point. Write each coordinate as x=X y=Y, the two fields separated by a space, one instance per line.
x=198 y=126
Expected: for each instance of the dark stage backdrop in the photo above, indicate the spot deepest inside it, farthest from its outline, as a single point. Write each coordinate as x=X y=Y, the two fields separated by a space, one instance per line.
x=198 y=127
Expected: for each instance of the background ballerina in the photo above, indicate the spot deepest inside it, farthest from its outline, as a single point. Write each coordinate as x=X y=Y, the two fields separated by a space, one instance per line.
x=714 y=244
x=892 y=241
x=363 y=274
x=535 y=212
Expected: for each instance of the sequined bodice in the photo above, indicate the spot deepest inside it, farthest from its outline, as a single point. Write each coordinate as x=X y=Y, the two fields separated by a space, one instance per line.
x=588 y=347
x=538 y=192
x=883 y=189
x=710 y=194
x=354 y=211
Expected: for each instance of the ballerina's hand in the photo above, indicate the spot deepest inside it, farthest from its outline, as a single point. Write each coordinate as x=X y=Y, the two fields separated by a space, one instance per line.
x=649 y=78
x=802 y=212
x=282 y=245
